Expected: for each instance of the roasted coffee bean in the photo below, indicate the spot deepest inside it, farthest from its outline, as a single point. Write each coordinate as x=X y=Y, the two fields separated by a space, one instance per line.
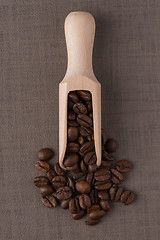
x=89 y=106
x=91 y=114
x=79 y=215
x=115 y=192
x=83 y=167
x=102 y=174
x=84 y=120
x=72 y=134
x=40 y=181
x=64 y=193
x=81 y=140
x=58 y=181
x=127 y=197
x=84 y=201
x=58 y=169
x=42 y=166
x=106 y=156
x=103 y=195
x=74 y=168
x=87 y=147
x=65 y=203
x=96 y=214
x=103 y=137
x=74 y=206
x=92 y=168
x=102 y=185
x=45 y=154
x=71 y=116
x=51 y=174
x=83 y=187
x=71 y=184
x=49 y=201
x=90 y=158
x=73 y=147
x=123 y=166
x=84 y=95
x=116 y=177
x=80 y=108
x=93 y=196
x=104 y=205
x=105 y=164
x=72 y=123
x=71 y=159
x=90 y=178
x=90 y=138
x=93 y=208
x=84 y=131
x=70 y=105
x=92 y=222
x=111 y=145
x=46 y=190
x=79 y=176
x=73 y=97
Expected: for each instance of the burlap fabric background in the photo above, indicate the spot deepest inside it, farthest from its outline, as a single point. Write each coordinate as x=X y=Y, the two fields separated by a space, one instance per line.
x=32 y=63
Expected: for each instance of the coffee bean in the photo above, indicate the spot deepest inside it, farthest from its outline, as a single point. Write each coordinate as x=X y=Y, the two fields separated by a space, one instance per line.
x=83 y=167
x=71 y=115
x=115 y=192
x=102 y=174
x=102 y=185
x=74 y=168
x=89 y=106
x=84 y=120
x=93 y=196
x=65 y=203
x=91 y=114
x=92 y=168
x=96 y=214
x=105 y=164
x=84 y=95
x=80 y=108
x=73 y=97
x=83 y=187
x=42 y=166
x=79 y=215
x=103 y=195
x=84 y=131
x=123 y=166
x=64 y=193
x=71 y=159
x=73 y=147
x=46 y=190
x=127 y=197
x=87 y=147
x=45 y=154
x=40 y=181
x=90 y=178
x=58 y=169
x=49 y=201
x=72 y=134
x=74 y=206
x=111 y=145
x=79 y=176
x=106 y=156
x=72 y=123
x=70 y=105
x=81 y=140
x=104 y=205
x=52 y=200
x=92 y=222
x=90 y=158
x=70 y=183
x=58 y=181
x=116 y=177
x=93 y=208
x=84 y=201
x=51 y=174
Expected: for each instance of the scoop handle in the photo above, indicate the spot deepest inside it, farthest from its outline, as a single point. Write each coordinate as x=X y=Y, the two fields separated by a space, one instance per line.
x=79 y=34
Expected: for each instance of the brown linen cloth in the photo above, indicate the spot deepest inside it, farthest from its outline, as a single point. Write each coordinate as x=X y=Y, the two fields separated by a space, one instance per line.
x=32 y=63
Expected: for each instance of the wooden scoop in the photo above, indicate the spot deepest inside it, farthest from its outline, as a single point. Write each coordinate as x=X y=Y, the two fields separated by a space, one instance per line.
x=79 y=33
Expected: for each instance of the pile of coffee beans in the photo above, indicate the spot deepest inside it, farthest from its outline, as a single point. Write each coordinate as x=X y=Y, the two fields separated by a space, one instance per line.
x=82 y=187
